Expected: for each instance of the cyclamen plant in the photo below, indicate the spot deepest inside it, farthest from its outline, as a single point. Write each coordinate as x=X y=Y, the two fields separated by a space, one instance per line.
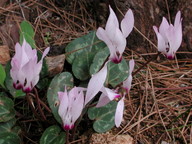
x=69 y=105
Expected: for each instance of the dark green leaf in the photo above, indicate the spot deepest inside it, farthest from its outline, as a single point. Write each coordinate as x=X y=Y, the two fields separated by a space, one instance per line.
x=27 y=32
x=53 y=135
x=2 y=76
x=103 y=116
x=7 y=111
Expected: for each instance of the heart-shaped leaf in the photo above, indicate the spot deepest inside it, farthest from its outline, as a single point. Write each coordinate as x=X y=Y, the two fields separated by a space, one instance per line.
x=28 y=33
x=9 y=138
x=7 y=126
x=117 y=73
x=7 y=110
x=53 y=135
x=82 y=51
x=99 y=60
x=103 y=116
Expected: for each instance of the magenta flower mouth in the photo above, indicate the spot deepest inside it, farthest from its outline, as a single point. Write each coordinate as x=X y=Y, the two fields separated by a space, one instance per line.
x=170 y=57
x=68 y=127
x=27 y=90
x=117 y=60
x=17 y=86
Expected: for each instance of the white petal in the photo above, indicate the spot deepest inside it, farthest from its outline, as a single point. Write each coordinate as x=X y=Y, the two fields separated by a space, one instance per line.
x=119 y=112
x=110 y=93
x=77 y=106
x=131 y=66
x=63 y=104
x=96 y=83
x=177 y=21
x=164 y=26
x=127 y=23
x=101 y=34
x=127 y=83
x=112 y=22
x=161 y=43
x=103 y=100
x=119 y=41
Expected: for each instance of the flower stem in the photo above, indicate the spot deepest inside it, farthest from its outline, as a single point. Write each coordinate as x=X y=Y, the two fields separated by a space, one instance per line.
x=67 y=136
x=29 y=100
x=38 y=104
x=145 y=64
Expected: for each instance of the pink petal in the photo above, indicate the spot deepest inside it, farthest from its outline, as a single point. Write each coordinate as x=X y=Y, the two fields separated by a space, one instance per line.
x=127 y=23
x=103 y=100
x=101 y=34
x=127 y=83
x=77 y=106
x=164 y=26
x=64 y=104
x=112 y=23
x=119 y=112
x=131 y=65
x=177 y=21
x=119 y=41
x=96 y=83
x=110 y=93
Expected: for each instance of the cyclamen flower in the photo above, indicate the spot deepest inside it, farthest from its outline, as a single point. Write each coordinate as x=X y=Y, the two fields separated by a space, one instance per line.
x=128 y=81
x=115 y=38
x=169 y=36
x=109 y=95
x=25 y=66
x=71 y=106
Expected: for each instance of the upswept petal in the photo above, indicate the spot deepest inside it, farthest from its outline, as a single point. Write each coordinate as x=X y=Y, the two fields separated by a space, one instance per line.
x=103 y=100
x=96 y=83
x=39 y=64
x=119 y=112
x=102 y=35
x=127 y=23
x=128 y=81
x=119 y=41
x=24 y=57
x=164 y=26
x=131 y=66
x=112 y=22
x=160 y=41
x=110 y=93
x=177 y=21
x=18 y=55
x=64 y=104
x=77 y=105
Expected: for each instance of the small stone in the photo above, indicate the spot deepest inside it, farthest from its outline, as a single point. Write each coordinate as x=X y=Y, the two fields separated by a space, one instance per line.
x=4 y=54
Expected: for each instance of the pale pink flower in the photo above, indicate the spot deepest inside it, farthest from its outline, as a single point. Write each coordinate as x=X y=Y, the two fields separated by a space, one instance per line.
x=128 y=81
x=71 y=106
x=25 y=66
x=115 y=38
x=169 y=36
